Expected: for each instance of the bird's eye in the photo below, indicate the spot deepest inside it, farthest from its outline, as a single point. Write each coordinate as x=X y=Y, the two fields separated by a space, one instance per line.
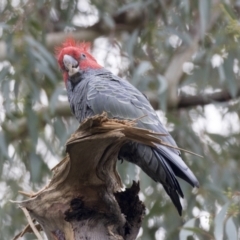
x=83 y=56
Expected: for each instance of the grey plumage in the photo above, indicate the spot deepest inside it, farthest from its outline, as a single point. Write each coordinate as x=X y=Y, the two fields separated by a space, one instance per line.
x=98 y=90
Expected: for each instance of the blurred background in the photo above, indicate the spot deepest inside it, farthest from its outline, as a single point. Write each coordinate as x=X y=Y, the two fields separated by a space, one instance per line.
x=184 y=55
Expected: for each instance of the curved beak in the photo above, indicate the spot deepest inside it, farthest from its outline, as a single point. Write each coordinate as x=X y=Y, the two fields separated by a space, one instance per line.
x=70 y=64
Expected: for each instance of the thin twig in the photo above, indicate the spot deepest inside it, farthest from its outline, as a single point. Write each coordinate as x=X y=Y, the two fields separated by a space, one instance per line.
x=26 y=194
x=60 y=164
x=32 y=194
x=181 y=149
x=17 y=236
x=32 y=225
x=27 y=229
x=136 y=119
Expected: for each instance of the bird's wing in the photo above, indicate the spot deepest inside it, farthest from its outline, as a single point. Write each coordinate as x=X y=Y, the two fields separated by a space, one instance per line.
x=121 y=100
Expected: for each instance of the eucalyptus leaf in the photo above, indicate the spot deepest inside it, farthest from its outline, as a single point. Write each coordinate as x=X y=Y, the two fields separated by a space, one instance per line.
x=185 y=233
x=35 y=166
x=219 y=221
x=204 y=6
x=230 y=76
x=141 y=69
x=231 y=230
x=54 y=98
x=162 y=84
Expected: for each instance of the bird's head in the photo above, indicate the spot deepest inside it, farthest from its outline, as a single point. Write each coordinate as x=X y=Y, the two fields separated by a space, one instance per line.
x=74 y=58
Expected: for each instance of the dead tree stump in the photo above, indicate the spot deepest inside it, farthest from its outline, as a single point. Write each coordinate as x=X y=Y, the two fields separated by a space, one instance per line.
x=84 y=199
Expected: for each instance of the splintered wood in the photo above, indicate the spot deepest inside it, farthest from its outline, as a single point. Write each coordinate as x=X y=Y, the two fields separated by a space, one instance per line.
x=84 y=199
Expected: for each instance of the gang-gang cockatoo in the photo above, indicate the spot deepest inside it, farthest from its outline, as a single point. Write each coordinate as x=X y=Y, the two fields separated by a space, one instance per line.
x=92 y=90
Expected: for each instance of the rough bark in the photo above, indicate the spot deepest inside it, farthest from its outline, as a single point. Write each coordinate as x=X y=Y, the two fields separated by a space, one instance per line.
x=84 y=199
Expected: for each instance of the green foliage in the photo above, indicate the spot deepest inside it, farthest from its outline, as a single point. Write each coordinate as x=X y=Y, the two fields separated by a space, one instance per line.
x=139 y=45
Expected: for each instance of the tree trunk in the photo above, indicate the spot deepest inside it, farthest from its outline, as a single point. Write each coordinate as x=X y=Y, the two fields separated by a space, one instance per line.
x=84 y=199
